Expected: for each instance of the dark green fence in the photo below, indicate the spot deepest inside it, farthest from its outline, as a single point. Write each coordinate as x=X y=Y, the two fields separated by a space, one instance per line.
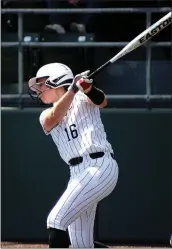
x=34 y=176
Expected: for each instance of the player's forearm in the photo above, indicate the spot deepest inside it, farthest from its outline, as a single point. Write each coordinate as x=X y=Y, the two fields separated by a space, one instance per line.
x=58 y=111
x=61 y=107
x=97 y=97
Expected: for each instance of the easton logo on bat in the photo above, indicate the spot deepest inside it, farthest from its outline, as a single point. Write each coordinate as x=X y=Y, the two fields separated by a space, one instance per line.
x=156 y=30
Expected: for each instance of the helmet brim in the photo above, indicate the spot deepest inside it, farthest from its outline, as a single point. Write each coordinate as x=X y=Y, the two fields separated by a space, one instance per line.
x=32 y=84
x=35 y=87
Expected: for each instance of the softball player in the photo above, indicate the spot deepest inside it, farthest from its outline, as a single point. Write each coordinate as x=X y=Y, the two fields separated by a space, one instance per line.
x=75 y=126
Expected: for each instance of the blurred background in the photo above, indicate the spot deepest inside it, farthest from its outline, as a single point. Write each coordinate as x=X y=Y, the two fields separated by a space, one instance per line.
x=84 y=34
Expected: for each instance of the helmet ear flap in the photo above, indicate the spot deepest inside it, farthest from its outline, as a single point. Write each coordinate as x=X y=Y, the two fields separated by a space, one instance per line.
x=53 y=84
x=50 y=83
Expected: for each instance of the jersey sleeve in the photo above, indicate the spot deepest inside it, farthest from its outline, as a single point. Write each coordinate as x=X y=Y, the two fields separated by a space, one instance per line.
x=41 y=121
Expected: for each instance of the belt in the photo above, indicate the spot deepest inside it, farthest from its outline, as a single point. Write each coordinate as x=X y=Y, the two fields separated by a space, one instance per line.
x=77 y=160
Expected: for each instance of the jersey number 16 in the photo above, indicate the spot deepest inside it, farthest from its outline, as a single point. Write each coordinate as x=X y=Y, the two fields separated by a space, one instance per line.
x=72 y=132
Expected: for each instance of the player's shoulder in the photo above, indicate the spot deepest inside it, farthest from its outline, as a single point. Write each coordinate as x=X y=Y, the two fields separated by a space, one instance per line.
x=41 y=119
x=43 y=113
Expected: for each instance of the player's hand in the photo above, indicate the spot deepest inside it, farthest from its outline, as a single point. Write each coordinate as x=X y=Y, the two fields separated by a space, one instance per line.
x=81 y=82
x=84 y=84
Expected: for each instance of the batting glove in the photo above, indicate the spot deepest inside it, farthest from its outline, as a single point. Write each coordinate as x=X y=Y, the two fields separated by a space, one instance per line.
x=81 y=82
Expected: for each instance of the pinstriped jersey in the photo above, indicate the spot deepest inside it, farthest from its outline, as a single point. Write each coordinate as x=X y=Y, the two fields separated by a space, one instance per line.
x=81 y=131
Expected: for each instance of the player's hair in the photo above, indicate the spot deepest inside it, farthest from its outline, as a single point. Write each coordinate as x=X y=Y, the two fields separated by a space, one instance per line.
x=66 y=88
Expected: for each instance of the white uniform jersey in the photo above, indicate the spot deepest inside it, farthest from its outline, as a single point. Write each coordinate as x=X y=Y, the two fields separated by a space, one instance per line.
x=81 y=131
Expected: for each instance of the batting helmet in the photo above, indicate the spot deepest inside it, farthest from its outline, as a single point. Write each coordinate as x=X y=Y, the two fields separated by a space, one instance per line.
x=56 y=74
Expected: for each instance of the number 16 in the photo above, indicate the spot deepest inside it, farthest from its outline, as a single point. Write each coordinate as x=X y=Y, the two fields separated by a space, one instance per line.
x=73 y=132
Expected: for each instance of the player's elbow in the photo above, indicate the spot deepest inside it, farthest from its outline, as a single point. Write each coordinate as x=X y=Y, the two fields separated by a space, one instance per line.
x=103 y=104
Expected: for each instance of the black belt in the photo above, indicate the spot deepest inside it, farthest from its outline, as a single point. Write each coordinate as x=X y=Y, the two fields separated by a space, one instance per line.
x=77 y=160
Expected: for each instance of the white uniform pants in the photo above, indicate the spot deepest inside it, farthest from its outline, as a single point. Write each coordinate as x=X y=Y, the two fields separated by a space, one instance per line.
x=90 y=182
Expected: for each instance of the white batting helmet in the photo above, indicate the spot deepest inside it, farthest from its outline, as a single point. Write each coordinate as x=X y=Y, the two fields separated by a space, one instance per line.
x=57 y=75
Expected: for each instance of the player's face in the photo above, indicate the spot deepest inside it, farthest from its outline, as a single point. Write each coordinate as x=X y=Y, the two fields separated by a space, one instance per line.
x=49 y=95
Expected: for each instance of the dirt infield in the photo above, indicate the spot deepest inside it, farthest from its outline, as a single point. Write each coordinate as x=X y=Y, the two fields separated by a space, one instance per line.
x=22 y=245
x=29 y=245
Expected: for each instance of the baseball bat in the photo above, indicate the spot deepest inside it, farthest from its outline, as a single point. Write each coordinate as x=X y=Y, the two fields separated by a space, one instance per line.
x=138 y=41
